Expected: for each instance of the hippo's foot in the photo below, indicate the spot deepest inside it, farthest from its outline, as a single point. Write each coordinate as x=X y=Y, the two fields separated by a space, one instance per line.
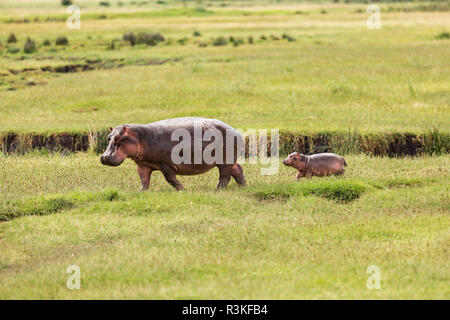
x=238 y=174
x=223 y=182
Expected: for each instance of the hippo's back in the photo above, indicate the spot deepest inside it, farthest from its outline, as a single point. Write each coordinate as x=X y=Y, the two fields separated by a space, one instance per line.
x=326 y=158
x=189 y=123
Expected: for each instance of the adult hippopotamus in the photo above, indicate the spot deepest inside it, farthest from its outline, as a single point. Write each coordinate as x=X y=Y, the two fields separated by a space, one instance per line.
x=321 y=164
x=181 y=146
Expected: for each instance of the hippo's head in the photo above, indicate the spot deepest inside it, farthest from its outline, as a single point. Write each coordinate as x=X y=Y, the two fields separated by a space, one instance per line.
x=123 y=142
x=296 y=160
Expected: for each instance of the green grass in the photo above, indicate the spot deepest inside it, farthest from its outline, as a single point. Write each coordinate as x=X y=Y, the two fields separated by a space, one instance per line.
x=299 y=240
x=337 y=76
x=276 y=238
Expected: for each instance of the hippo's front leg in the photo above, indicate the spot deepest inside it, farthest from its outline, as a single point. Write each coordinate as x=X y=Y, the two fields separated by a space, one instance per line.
x=145 y=174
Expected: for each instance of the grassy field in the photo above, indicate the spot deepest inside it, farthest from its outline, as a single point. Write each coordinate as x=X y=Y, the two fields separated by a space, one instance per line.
x=303 y=68
x=337 y=74
x=275 y=238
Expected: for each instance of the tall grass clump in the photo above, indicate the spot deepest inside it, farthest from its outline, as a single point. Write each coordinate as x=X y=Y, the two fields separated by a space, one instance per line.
x=436 y=143
x=220 y=41
x=130 y=37
x=62 y=41
x=30 y=46
x=443 y=35
x=348 y=143
x=12 y=38
x=149 y=39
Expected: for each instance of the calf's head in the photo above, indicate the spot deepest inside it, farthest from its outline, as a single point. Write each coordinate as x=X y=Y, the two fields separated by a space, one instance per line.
x=296 y=160
x=123 y=143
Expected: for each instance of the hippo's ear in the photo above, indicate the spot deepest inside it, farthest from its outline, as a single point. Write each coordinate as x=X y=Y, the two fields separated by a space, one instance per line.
x=110 y=129
x=302 y=157
x=124 y=130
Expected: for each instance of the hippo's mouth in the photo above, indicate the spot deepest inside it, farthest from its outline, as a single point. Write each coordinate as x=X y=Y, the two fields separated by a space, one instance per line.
x=109 y=162
x=285 y=162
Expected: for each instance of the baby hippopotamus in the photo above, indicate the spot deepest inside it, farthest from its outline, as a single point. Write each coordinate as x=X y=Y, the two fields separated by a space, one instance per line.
x=321 y=164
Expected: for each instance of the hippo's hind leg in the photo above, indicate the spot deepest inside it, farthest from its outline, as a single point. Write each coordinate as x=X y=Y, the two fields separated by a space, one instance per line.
x=224 y=175
x=238 y=174
x=171 y=177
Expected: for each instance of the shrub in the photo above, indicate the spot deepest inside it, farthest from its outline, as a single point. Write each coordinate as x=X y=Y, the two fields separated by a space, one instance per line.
x=202 y=44
x=197 y=34
x=238 y=42
x=149 y=39
x=250 y=40
x=30 y=46
x=130 y=37
x=443 y=35
x=46 y=42
x=287 y=37
x=12 y=38
x=66 y=2
x=274 y=37
x=263 y=37
x=104 y=3
x=323 y=11
x=13 y=50
x=220 y=41
x=62 y=41
x=182 y=41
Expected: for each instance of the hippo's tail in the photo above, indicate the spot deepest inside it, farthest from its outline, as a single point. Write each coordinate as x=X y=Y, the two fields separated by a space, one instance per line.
x=345 y=163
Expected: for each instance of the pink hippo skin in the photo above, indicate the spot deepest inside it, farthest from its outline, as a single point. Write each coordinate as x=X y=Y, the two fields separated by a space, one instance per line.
x=321 y=164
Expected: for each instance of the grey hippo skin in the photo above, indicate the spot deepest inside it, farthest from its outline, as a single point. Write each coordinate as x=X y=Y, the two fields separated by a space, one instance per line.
x=321 y=164
x=150 y=147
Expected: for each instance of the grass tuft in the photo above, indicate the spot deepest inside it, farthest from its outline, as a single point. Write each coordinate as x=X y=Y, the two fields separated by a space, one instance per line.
x=338 y=190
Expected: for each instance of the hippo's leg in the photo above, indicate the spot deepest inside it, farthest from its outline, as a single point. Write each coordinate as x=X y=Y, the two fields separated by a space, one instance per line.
x=224 y=175
x=339 y=172
x=299 y=175
x=238 y=174
x=171 y=177
x=145 y=174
